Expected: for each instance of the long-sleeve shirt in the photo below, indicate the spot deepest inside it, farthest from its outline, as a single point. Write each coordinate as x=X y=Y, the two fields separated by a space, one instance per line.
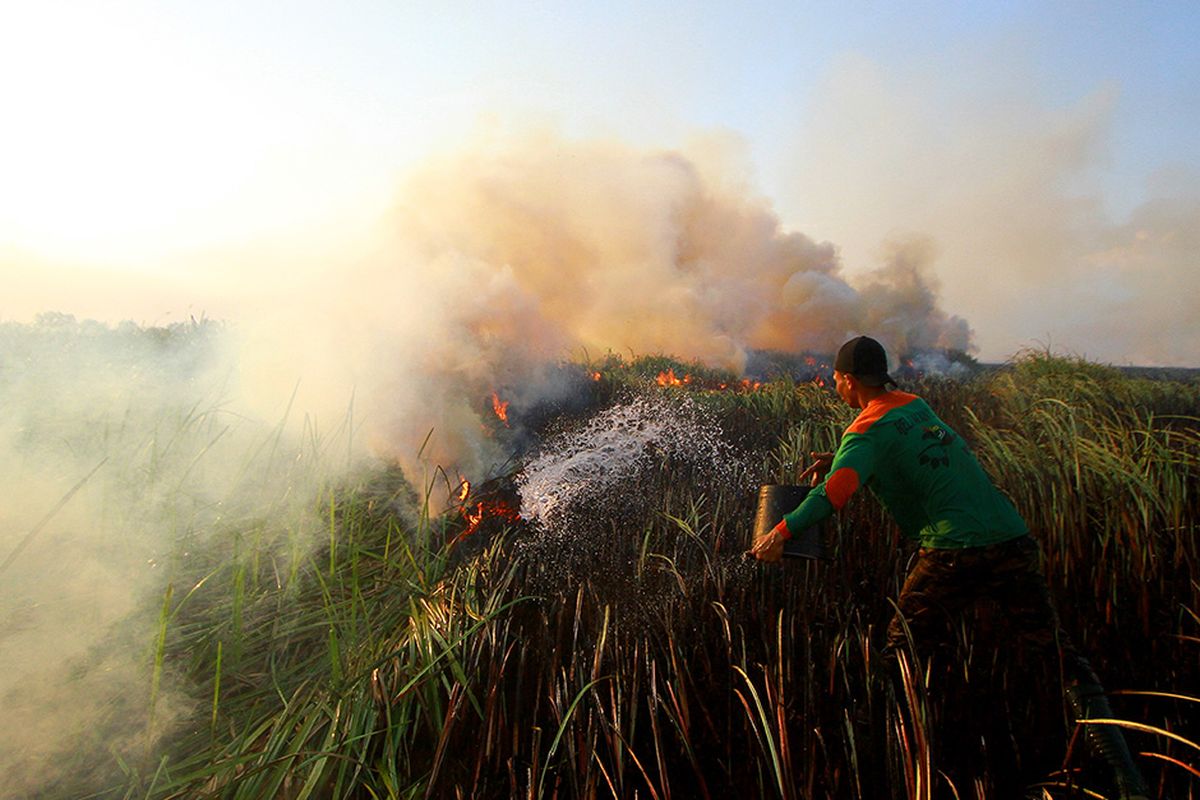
x=922 y=472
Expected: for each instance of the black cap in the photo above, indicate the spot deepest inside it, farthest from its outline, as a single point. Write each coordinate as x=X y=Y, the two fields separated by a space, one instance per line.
x=865 y=359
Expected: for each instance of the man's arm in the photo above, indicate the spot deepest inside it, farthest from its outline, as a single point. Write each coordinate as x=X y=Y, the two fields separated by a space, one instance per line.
x=851 y=467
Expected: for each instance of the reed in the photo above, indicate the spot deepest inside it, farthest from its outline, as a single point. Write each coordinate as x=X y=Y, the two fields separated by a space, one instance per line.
x=386 y=664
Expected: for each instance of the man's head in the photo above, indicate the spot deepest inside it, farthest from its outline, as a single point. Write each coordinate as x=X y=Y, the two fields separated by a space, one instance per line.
x=860 y=371
x=865 y=359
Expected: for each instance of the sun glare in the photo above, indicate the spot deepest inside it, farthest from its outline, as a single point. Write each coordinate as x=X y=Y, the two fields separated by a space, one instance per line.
x=122 y=152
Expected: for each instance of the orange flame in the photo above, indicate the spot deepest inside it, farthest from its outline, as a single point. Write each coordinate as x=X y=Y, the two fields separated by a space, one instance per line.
x=476 y=514
x=668 y=378
x=501 y=408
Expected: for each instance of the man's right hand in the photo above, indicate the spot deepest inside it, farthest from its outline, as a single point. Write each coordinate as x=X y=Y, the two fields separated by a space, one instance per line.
x=769 y=546
x=817 y=471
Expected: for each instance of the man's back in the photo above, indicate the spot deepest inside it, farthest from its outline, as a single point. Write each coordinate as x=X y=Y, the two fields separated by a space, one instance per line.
x=925 y=475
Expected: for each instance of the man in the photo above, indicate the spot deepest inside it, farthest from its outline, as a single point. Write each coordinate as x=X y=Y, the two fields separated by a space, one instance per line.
x=973 y=543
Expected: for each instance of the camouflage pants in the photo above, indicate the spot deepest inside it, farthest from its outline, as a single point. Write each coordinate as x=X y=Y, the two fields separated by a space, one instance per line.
x=943 y=583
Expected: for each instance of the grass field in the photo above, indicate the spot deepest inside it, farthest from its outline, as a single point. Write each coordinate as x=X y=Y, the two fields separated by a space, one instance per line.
x=625 y=647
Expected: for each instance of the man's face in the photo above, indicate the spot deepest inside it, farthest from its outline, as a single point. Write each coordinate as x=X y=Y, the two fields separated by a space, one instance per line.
x=841 y=381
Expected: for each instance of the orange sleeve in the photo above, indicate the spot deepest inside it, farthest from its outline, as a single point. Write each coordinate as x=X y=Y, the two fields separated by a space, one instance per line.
x=840 y=485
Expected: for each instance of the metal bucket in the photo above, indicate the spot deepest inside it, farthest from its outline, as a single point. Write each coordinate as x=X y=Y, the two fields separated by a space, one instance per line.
x=777 y=499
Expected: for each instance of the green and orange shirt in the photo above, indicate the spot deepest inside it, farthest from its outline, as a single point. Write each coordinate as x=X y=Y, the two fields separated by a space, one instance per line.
x=922 y=472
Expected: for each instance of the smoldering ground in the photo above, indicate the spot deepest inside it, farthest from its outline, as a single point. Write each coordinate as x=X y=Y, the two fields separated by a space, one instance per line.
x=496 y=260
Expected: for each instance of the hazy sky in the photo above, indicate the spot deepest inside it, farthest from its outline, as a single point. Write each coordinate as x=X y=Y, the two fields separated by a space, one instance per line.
x=160 y=159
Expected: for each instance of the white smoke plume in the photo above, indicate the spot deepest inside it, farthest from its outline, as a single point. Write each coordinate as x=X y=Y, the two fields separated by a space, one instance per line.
x=521 y=250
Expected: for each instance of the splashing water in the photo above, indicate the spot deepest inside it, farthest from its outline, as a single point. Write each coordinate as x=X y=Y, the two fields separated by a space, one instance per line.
x=606 y=461
x=595 y=497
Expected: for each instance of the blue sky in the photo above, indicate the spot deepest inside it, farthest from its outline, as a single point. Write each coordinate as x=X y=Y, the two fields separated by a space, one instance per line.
x=154 y=137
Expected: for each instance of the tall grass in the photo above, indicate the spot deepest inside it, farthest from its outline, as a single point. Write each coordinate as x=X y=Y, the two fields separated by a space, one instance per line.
x=664 y=664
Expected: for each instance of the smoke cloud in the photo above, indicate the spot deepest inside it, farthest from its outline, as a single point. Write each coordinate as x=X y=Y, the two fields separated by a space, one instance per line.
x=125 y=456
x=1009 y=181
x=526 y=249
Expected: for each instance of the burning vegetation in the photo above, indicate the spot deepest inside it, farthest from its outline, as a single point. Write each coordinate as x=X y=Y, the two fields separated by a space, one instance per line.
x=629 y=519
x=500 y=408
x=493 y=506
x=669 y=378
x=580 y=620
x=681 y=593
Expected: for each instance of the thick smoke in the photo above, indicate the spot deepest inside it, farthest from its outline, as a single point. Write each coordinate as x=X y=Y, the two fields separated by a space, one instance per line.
x=541 y=248
x=140 y=432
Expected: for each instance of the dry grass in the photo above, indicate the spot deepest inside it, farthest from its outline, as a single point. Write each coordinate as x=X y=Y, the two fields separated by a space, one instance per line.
x=662 y=664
